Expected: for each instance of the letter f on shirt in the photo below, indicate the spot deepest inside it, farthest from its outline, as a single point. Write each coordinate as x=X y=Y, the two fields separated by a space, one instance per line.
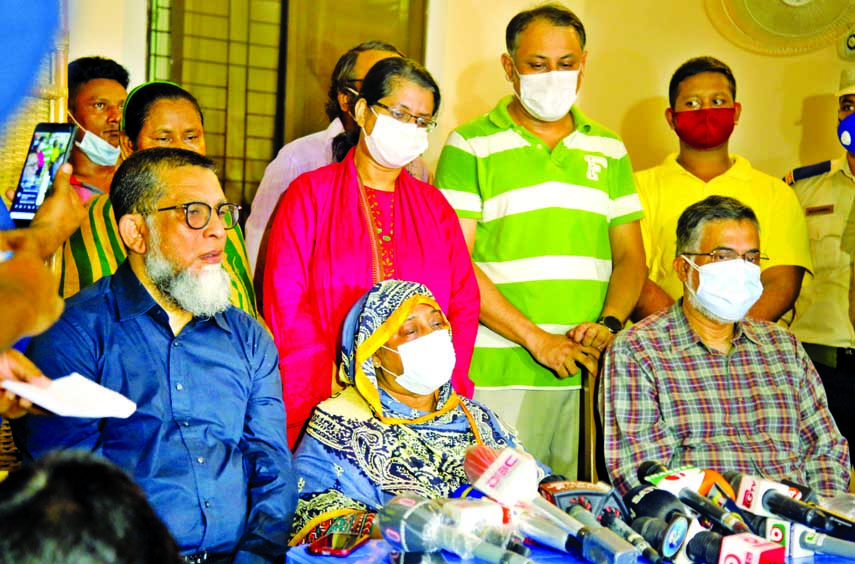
x=595 y=165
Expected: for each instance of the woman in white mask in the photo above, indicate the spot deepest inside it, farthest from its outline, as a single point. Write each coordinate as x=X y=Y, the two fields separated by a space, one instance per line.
x=340 y=229
x=398 y=426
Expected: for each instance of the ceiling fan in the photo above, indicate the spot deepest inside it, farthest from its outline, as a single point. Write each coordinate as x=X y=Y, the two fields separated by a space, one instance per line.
x=786 y=27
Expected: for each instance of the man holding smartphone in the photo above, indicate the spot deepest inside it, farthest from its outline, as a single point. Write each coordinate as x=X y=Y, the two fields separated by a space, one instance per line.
x=97 y=88
x=28 y=287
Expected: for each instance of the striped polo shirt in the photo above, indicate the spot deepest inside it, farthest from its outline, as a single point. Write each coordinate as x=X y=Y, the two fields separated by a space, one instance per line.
x=543 y=227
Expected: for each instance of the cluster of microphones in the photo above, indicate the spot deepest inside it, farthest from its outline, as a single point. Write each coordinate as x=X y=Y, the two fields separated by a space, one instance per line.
x=686 y=515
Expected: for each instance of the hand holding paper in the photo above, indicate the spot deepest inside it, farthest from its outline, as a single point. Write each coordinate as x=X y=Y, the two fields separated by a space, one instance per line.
x=74 y=396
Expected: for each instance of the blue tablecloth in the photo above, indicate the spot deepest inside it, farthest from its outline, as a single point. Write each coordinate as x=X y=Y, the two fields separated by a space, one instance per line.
x=375 y=551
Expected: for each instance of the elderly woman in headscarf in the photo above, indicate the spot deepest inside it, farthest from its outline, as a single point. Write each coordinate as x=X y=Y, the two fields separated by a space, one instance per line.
x=398 y=427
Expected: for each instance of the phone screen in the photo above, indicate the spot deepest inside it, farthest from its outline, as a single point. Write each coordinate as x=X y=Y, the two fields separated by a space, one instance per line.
x=49 y=149
x=336 y=544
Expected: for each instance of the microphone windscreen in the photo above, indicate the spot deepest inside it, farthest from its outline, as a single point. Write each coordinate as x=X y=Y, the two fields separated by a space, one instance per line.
x=666 y=537
x=704 y=547
x=648 y=468
x=407 y=521
x=647 y=501
x=478 y=458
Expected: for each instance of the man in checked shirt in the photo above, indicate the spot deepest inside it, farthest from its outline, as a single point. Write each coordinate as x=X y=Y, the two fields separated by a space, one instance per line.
x=700 y=384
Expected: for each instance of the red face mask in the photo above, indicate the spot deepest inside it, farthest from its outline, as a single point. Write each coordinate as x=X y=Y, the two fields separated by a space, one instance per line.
x=704 y=129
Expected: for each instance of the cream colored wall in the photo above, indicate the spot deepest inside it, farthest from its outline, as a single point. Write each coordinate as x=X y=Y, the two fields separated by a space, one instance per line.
x=788 y=107
x=115 y=29
x=789 y=111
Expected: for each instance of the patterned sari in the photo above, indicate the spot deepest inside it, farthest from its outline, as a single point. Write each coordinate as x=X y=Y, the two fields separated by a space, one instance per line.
x=362 y=447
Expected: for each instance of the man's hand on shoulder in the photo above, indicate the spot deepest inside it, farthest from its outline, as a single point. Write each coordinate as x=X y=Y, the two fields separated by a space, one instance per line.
x=563 y=355
x=590 y=334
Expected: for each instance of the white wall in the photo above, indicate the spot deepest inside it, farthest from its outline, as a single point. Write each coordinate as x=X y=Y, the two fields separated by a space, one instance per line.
x=115 y=29
x=789 y=111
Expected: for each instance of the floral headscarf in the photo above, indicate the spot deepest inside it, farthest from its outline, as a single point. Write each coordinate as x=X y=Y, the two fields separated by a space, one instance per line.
x=369 y=324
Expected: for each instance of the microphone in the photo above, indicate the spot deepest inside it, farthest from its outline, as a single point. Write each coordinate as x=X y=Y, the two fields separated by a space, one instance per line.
x=411 y=523
x=483 y=517
x=774 y=499
x=544 y=531
x=535 y=527
x=616 y=525
x=595 y=497
x=698 y=480
x=510 y=477
x=825 y=544
x=711 y=548
x=725 y=519
x=666 y=538
x=685 y=483
x=807 y=494
x=648 y=501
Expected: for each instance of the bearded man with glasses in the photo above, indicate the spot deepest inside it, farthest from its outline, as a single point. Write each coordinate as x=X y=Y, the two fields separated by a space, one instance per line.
x=207 y=442
x=700 y=383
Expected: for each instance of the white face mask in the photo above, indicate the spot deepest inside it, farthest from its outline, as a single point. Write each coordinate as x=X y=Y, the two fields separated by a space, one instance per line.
x=99 y=151
x=428 y=362
x=548 y=96
x=727 y=289
x=394 y=144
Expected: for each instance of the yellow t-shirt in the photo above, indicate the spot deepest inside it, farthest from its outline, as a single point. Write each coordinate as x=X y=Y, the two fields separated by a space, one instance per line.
x=668 y=189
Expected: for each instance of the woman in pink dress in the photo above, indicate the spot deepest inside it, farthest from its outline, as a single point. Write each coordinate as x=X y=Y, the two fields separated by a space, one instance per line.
x=342 y=228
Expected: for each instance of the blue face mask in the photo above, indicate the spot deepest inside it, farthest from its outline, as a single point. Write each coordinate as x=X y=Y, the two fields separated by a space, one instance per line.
x=846 y=133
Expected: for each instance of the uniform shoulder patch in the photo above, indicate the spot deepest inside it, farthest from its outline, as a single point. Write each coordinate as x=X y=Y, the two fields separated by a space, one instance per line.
x=807 y=171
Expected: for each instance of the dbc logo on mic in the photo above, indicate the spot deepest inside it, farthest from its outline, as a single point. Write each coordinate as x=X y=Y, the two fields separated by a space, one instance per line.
x=502 y=471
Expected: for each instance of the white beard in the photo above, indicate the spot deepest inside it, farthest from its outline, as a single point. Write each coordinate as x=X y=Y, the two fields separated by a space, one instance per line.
x=201 y=294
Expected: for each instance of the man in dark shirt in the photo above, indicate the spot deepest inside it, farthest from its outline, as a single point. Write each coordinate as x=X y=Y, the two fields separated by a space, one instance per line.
x=207 y=441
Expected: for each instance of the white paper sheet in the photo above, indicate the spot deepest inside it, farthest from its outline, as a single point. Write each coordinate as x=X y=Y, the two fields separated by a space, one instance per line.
x=74 y=396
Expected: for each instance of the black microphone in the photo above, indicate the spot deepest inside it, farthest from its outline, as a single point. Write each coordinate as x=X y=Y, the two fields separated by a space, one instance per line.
x=771 y=498
x=722 y=517
x=666 y=538
x=647 y=501
x=613 y=523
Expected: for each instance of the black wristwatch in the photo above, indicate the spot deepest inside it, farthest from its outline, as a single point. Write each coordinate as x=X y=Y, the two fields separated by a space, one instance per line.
x=611 y=323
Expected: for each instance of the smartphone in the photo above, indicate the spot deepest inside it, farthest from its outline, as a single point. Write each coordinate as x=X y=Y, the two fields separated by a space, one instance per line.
x=49 y=149
x=337 y=544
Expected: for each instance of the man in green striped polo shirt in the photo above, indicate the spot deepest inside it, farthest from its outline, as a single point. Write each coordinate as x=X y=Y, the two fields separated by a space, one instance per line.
x=548 y=206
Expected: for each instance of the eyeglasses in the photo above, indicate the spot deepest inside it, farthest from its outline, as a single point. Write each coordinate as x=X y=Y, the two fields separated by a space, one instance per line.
x=406 y=117
x=198 y=214
x=721 y=255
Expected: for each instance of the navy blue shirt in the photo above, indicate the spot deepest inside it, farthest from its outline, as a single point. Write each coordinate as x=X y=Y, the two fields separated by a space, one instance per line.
x=207 y=442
